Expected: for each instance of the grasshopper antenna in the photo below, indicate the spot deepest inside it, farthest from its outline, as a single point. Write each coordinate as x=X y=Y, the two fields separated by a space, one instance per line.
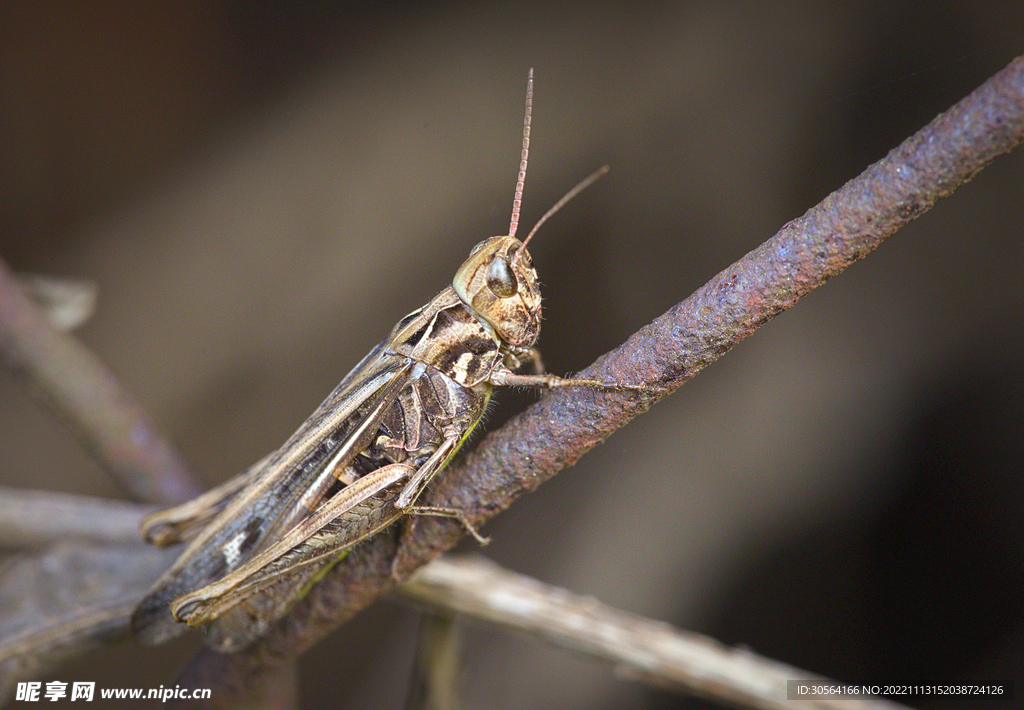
x=518 y=200
x=521 y=181
x=580 y=187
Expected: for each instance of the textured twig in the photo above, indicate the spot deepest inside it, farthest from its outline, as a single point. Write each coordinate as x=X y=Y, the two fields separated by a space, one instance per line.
x=437 y=667
x=66 y=303
x=639 y=648
x=86 y=394
x=557 y=430
x=39 y=517
x=40 y=626
x=67 y=598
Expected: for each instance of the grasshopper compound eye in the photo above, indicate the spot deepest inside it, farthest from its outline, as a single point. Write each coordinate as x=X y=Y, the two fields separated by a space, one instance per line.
x=501 y=281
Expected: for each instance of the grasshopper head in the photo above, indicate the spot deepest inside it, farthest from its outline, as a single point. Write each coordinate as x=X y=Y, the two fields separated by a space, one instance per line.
x=499 y=283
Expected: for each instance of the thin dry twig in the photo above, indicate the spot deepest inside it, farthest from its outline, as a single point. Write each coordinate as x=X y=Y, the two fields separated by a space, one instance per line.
x=101 y=583
x=68 y=597
x=640 y=648
x=558 y=429
x=66 y=303
x=438 y=663
x=30 y=518
x=87 y=395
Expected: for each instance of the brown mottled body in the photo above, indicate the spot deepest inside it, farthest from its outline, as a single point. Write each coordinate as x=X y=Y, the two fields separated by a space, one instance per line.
x=361 y=460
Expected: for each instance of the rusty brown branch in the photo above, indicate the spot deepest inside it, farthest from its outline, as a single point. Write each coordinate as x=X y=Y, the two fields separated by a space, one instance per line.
x=557 y=430
x=87 y=395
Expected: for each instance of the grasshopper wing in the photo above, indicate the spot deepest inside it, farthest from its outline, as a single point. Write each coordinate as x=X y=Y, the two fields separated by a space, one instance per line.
x=294 y=481
x=241 y=606
x=183 y=522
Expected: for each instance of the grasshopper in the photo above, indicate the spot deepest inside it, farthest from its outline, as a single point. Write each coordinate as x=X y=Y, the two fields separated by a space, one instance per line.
x=361 y=460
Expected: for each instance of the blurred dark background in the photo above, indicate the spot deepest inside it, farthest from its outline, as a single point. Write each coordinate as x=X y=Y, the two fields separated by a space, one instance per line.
x=262 y=189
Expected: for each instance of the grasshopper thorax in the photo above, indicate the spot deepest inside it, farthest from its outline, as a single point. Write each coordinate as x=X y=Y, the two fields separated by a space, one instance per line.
x=498 y=282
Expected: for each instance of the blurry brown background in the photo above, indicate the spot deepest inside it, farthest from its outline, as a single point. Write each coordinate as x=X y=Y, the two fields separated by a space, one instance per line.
x=262 y=190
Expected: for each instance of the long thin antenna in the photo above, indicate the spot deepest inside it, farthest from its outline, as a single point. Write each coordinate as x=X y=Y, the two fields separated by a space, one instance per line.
x=518 y=201
x=580 y=187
